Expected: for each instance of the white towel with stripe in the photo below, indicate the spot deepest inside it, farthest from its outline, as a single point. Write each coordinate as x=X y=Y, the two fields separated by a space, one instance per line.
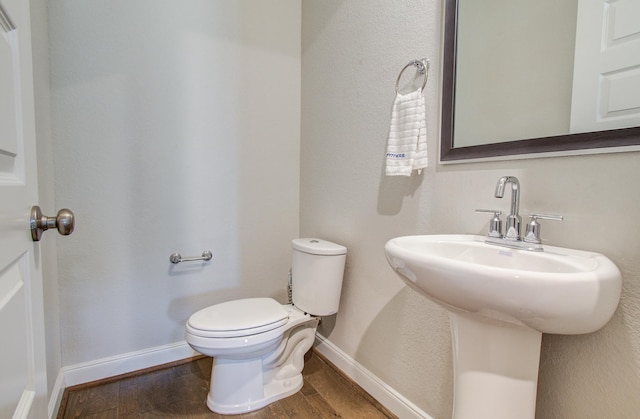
x=407 y=142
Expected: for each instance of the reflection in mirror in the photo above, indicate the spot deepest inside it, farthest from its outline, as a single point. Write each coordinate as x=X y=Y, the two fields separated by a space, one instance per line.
x=524 y=77
x=513 y=76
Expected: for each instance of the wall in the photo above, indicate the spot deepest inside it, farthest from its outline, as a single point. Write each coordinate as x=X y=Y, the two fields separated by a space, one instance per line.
x=176 y=129
x=352 y=52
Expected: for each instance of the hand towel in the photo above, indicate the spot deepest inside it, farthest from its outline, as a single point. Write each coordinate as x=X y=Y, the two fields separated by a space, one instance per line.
x=407 y=142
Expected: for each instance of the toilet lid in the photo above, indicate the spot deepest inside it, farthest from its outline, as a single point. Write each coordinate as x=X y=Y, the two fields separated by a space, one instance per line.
x=244 y=317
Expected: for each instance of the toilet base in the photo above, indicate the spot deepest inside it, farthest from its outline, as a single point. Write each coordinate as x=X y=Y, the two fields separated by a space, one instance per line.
x=241 y=385
x=276 y=390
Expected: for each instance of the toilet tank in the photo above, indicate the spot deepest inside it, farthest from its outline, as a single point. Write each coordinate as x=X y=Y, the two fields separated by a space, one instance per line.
x=316 y=275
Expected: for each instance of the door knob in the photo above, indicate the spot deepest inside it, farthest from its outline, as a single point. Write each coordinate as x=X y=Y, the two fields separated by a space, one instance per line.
x=63 y=221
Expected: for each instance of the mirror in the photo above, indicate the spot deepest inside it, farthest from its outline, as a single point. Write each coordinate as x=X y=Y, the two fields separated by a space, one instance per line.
x=561 y=86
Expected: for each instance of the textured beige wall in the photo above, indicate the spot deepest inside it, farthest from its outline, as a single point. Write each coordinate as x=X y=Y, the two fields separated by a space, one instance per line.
x=176 y=129
x=352 y=52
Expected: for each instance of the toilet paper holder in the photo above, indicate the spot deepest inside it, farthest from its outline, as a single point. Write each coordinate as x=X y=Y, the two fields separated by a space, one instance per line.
x=177 y=257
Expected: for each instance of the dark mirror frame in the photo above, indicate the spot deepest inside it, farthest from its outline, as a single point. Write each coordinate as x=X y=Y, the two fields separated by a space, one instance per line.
x=570 y=142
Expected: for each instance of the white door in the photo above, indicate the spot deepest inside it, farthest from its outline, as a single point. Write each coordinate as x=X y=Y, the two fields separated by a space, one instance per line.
x=22 y=354
x=606 y=80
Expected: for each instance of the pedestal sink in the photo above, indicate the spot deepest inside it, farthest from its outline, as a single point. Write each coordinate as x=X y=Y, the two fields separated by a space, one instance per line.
x=501 y=300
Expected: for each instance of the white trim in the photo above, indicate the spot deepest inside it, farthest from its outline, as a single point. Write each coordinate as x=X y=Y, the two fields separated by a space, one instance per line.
x=56 y=395
x=24 y=405
x=373 y=385
x=133 y=361
x=5 y=20
x=122 y=364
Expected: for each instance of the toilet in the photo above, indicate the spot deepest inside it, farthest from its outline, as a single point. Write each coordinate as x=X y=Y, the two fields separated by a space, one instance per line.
x=257 y=344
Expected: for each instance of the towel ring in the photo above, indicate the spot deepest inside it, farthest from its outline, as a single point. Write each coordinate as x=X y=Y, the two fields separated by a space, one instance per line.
x=423 y=68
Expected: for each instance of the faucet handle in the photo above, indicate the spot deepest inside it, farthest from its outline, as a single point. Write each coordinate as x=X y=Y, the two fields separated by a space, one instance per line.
x=495 y=226
x=533 y=226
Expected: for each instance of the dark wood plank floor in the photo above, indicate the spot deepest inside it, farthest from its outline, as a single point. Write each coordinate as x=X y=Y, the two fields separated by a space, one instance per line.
x=180 y=391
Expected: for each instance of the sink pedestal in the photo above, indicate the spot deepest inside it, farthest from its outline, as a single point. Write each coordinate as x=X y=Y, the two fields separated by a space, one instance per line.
x=495 y=368
x=501 y=300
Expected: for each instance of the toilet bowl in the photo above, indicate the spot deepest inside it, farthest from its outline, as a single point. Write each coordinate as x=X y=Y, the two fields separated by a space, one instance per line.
x=257 y=344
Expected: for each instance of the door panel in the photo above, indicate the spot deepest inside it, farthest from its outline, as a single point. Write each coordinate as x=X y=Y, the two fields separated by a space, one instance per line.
x=9 y=97
x=606 y=81
x=22 y=364
x=8 y=129
x=13 y=323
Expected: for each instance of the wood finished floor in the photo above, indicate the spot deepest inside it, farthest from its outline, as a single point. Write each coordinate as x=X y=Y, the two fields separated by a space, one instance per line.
x=180 y=391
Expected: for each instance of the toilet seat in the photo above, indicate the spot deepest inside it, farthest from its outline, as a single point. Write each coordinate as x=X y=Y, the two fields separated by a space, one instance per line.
x=237 y=318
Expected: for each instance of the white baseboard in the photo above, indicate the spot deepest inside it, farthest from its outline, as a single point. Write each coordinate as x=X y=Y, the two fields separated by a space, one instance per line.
x=56 y=395
x=115 y=365
x=383 y=393
x=133 y=361
x=122 y=364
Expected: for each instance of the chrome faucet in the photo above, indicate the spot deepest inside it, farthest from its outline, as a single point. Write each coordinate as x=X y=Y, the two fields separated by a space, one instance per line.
x=512 y=231
x=512 y=236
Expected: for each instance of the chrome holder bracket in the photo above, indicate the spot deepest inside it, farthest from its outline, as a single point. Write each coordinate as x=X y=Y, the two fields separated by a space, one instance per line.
x=177 y=257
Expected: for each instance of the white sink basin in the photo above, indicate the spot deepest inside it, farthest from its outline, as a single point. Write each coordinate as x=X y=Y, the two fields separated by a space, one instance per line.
x=561 y=291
